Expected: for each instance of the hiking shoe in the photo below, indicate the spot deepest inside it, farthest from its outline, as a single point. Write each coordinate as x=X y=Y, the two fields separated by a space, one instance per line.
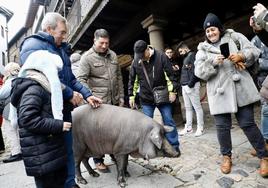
x=264 y=167
x=226 y=165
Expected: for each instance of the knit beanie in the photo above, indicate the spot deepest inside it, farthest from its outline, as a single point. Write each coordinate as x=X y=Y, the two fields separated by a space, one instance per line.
x=212 y=20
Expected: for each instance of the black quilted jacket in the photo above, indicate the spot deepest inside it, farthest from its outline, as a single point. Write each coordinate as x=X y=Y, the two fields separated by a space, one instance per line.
x=41 y=136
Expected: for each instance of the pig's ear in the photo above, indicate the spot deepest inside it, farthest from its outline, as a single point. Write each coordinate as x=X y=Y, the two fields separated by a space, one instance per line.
x=156 y=138
x=168 y=128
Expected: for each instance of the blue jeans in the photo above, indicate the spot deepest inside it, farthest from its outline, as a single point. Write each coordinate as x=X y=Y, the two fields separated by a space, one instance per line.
x=70 y=181
x=68 y=137
x=166 y=113
x=264 y=120
x=245 y=118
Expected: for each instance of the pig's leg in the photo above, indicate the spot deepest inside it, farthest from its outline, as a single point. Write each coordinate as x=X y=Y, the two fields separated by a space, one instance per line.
x=78 y=156
x=121 y=164
x=88 y=167
x=125 y=169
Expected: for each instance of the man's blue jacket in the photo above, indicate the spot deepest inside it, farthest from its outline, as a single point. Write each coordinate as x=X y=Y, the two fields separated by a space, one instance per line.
x=44 y=41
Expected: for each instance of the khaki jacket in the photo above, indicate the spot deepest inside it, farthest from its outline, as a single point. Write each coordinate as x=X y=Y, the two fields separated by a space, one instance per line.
x=102 y=75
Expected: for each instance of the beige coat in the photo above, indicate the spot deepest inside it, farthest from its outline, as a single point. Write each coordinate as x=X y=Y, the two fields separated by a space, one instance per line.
x=227 y=87
x=102 y=75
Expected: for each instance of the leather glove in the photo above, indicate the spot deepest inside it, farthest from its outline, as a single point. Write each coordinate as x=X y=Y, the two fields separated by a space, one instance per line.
x=132 y=102
x=172 y=97
x=240 y=66
x=236 y=57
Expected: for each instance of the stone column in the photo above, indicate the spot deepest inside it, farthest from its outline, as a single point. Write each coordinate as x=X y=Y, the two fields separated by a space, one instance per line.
x=155 y=26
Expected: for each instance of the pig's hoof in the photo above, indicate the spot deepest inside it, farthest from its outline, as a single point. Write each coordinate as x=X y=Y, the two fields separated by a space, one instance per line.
x=127 y=174
x=81 y=180
x=122 y=182
x=94 y=174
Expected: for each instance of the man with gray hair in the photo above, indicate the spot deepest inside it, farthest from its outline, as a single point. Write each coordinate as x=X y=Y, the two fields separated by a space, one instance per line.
x=99 y=70
x=51 y=38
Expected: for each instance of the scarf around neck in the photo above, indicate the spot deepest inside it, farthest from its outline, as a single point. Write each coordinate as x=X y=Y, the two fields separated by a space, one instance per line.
x=48 y=65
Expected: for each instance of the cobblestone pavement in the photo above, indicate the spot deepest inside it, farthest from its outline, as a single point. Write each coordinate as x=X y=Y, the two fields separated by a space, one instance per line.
x=198 y=166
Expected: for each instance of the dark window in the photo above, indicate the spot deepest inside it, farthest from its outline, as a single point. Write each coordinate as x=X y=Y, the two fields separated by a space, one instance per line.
x=2 y=32
x=3 y=58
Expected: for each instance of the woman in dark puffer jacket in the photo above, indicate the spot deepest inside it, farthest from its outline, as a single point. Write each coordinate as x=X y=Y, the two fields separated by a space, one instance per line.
x=37 y=95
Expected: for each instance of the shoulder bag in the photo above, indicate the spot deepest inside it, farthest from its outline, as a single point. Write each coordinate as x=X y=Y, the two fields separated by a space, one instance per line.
x=161 y=94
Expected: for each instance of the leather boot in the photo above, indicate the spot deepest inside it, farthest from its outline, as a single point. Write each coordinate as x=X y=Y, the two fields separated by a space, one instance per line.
x=264 y=167
x=226 y=165
x=102 y=167
x=253 y=152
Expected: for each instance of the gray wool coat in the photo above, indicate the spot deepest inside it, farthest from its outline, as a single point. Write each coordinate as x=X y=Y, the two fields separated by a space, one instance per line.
x=227 y=87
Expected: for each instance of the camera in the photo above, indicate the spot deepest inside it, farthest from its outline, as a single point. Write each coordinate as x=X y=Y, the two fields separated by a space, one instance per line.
x=255 y=21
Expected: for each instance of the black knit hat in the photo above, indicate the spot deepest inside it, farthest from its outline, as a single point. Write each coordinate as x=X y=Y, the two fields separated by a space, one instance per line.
x=212 y=20
x=139 y=48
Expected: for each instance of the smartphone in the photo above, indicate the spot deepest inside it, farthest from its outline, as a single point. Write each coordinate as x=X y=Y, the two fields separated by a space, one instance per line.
x=225 y=50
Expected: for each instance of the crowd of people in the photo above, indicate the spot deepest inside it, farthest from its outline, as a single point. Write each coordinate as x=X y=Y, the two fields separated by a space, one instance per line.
x=39 y=101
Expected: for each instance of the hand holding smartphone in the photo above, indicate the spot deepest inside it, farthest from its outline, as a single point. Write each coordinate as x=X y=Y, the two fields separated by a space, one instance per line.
x=225 y=50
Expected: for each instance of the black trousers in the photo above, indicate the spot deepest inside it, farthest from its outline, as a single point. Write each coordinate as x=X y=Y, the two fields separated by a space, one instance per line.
x=245 y=118
x=55 y=179
x=2 y=144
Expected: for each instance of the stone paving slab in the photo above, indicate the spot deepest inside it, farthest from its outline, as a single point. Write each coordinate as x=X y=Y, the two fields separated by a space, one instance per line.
x=140 y=178
x=12 y=175
x=199 y=163
x=198 y=166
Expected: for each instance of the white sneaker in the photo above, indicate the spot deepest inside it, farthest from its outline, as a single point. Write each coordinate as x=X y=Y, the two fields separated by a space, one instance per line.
x=199 y=132
x=186 y=130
